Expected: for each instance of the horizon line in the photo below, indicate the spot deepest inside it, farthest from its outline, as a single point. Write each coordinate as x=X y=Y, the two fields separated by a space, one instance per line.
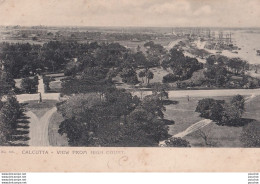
x=130 y=26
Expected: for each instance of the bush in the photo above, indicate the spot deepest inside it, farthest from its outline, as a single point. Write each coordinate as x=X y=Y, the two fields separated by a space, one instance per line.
x=177 y=142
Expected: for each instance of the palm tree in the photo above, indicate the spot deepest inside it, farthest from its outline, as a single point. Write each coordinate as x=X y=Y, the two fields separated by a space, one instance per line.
x=149 y=76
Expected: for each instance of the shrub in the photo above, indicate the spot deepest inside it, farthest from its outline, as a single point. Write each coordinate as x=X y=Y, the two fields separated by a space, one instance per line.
x=177 y=142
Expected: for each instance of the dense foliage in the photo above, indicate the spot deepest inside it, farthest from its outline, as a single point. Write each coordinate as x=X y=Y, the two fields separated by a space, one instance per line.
x=10 y=112
x=117 y=119
x=221 y=71
x=29 y=85
x=181 y=66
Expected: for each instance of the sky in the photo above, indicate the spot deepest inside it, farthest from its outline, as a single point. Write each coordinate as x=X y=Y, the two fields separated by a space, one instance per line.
x=145 y=13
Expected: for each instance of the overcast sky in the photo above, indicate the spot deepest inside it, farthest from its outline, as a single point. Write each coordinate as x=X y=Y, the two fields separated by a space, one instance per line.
x=224 y=13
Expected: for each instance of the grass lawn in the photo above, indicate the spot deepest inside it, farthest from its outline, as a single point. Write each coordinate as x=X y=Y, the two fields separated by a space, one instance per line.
x=55 y=85
x=220 y=136
x=252 y=109
x=184 y=116
x=55 y=138
x=39 y=109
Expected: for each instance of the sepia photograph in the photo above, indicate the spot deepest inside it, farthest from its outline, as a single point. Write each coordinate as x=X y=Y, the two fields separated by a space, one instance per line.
x=83 y=73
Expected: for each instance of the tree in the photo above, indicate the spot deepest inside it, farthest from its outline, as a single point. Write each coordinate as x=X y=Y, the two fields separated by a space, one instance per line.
x=182 y=66
x=149 y=76
x=153 y=105
x=121 y=103
x=6 y=83
x=29 y=85
x=140 y=59
x=161 y=90
x=54 y=55
x=92 y=79
x=129 y=76
x=144 y=129
x=142 y=75
x=224 y=113
x=10 y=112
x=239 y=102
x=209 y=108
x=120 y=119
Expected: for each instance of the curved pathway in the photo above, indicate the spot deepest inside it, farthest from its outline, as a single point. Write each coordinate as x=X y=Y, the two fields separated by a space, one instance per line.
x=39 y=128
x=194 y=128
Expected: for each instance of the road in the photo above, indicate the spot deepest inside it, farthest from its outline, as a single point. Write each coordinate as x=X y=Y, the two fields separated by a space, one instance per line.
x=39 y=128
x=205 y=93
x=173 y=43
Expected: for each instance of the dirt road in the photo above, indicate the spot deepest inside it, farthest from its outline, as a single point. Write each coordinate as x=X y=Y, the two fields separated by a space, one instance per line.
x=39 y=128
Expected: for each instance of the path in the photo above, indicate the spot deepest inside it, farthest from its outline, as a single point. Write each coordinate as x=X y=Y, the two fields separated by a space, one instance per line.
x=194 y=128
x=39 y=128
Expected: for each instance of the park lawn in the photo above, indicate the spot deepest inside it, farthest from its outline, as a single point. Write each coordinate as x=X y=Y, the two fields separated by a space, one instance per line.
x=184 y=116
x=220 y=136
x=39 y=109
x=55 y=139
x=55 y=85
